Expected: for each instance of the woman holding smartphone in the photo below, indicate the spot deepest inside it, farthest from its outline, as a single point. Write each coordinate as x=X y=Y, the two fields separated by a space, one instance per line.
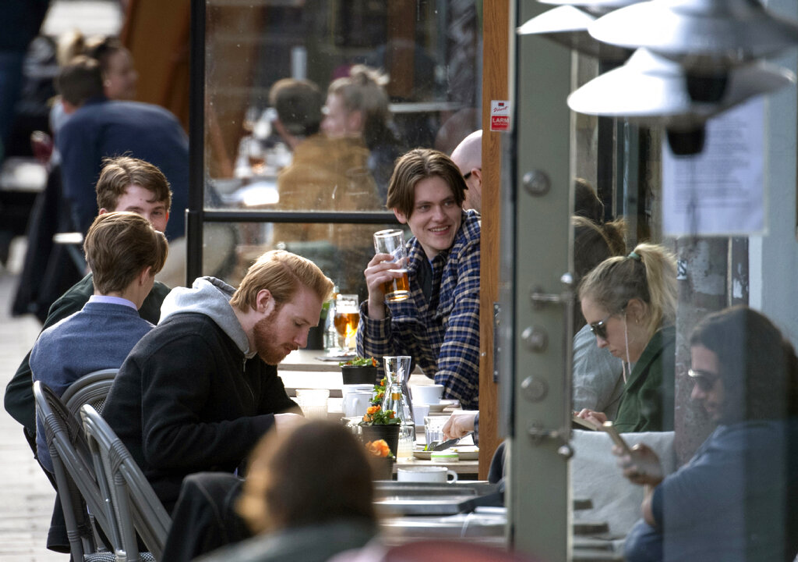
x=630 y=304
x=737 y=497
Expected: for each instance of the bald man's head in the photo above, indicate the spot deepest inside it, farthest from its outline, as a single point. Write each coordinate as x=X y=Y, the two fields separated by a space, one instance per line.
x=468 y=157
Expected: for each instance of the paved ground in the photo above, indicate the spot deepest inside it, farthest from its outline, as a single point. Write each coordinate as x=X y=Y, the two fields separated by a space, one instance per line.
x=26 y=497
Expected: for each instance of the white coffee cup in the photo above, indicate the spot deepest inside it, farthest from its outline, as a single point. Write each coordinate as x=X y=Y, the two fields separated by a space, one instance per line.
x=427 y=393
x=438 y=474
x=356 y=402
x=420 y=411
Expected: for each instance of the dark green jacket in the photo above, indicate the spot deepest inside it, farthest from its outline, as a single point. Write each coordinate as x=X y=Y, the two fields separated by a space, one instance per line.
x=647 y=401
x=19 y=392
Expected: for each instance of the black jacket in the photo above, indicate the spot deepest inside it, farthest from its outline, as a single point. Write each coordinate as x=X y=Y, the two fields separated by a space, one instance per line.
x=188 y=400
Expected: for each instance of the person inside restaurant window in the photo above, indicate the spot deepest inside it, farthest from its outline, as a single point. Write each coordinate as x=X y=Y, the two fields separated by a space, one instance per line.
x=438 y=325
x=737 y=498
x=630 y=304
x=357 y=107
x=329 y=174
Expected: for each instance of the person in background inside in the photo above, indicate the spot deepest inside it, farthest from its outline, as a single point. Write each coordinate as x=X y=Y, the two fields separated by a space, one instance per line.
x=125 y=184
x=201 y=388
x=300 y=508
x=357 y=107
x=438 y=325
x=630 y=305
x=468 y=157
x=737 y=498
x=326 y=173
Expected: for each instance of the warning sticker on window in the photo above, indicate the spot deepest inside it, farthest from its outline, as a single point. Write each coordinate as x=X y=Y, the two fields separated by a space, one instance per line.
x=499 y=115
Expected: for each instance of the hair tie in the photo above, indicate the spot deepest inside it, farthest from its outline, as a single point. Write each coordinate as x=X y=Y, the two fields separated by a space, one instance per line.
x=634 y=255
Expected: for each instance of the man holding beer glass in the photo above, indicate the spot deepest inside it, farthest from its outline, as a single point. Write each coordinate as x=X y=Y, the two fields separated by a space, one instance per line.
x=437 y=320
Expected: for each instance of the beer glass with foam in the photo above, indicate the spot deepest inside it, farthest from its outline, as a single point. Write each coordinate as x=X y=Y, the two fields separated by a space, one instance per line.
x=393 y=242
x=346 y=319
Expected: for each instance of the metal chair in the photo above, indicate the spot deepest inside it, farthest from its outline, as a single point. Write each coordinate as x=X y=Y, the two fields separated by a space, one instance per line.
x=89 y=389
x=78 y=488
x=137 y=507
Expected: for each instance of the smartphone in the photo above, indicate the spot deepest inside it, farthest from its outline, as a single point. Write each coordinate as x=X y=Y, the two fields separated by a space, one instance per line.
x=616 y=437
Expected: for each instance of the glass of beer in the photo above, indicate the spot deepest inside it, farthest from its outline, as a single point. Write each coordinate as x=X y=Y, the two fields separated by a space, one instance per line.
x=393 y=242
x=346 y=319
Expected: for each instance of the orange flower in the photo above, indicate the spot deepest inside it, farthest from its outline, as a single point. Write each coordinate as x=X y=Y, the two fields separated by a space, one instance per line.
x=372 y=410
x=378 y=448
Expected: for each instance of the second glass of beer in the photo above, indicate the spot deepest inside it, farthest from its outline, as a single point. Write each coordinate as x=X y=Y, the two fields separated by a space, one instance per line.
x=393 y=242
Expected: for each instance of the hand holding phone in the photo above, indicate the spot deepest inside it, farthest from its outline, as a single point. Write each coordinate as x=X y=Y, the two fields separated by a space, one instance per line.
x=616 y=437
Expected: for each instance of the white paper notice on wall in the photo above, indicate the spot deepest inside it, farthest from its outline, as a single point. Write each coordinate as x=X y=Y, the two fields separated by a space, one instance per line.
x=721 y=191
x=499 y=115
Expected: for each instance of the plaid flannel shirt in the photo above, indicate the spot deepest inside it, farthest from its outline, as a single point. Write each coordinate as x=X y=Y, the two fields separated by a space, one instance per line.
x=442 y=335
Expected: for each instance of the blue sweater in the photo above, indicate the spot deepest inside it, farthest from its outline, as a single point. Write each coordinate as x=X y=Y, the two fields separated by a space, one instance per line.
x=103 y=128
x=100 y=336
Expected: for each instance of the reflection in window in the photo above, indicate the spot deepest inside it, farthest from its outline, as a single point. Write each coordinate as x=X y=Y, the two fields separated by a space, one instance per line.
x=309 y=103
x=342 y=251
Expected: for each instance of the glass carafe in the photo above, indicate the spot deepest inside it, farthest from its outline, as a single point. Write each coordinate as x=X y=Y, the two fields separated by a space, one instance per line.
x=397 y=398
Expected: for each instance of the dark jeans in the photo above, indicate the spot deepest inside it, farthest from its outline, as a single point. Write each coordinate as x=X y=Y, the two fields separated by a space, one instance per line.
x=204 y=517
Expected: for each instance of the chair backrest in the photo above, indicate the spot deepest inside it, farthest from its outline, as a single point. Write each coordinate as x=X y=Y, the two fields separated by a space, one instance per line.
x=136 y=505
x=89 y=389
x=78 y=487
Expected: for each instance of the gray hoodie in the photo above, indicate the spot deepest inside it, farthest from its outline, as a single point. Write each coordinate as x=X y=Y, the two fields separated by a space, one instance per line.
x=211 y=297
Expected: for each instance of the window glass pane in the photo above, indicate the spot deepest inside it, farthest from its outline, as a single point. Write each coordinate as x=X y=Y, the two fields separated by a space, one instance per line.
x=342 y=251
x=308 y=104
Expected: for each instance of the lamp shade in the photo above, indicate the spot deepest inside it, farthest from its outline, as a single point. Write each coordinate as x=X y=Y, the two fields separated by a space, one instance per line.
x=567 y=26
x=651 y=90
x=701 y=34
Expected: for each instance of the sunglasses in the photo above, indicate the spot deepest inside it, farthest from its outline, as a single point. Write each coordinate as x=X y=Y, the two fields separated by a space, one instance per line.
x=704 y=379
x=600 y=328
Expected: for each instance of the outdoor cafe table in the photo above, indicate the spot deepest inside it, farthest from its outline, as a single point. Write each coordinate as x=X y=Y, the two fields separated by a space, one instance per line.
x=302 y=369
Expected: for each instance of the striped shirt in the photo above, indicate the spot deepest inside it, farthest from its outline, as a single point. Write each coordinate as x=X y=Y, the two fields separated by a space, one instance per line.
x=442 y=335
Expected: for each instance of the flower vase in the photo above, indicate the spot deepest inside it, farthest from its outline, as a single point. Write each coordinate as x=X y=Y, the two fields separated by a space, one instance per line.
x=382 y=468
x=359 y=374
x=390 y=433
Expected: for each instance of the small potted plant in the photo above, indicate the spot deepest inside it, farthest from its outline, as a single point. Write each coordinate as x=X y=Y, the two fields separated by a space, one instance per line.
x=381 y=424
x=378 y=394
x=382 y=459
x=360 y=370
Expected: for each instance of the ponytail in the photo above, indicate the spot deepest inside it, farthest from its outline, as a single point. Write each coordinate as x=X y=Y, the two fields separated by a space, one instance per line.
x=660 y=271
x=648 y=273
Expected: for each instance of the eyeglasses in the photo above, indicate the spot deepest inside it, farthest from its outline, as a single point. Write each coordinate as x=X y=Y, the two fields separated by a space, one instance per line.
x=468 y=175
x=704 y=379
x=600 y=328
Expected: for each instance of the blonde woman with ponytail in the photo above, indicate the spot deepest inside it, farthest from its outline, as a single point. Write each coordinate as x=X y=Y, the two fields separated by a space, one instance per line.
x=630 y=304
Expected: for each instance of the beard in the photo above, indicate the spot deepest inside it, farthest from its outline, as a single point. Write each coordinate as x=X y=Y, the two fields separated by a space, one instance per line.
x=267 y=338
